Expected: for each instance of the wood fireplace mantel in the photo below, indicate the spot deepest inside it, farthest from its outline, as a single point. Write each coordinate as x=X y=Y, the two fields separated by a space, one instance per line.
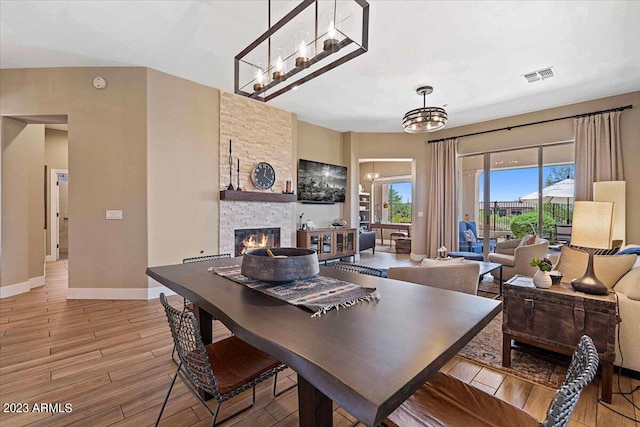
x=257 y=196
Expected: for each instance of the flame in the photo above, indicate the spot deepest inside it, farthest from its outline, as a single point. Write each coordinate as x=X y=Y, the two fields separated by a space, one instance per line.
x=253 y=242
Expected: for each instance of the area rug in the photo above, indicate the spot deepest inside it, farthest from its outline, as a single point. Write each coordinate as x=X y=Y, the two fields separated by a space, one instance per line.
x=486 y=349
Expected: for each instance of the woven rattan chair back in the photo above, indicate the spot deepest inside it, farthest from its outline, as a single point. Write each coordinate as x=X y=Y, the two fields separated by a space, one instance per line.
x=582 y=370
x=355 y=268
x=190 y=348
x=195 y=363
x=205 y=258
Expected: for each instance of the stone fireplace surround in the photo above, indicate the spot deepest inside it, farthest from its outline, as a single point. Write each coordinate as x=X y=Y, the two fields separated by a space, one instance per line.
x=269 y=138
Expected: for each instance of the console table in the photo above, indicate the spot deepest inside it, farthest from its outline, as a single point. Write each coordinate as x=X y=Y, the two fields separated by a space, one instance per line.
x=329 y=243
x=555 y=319
x=390 y=226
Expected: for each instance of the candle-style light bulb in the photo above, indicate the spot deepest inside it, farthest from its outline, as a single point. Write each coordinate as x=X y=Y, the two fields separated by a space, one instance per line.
x=331 y=32
x=331 y=42
x=278 y=73
x=259 y=84
x=302 y=60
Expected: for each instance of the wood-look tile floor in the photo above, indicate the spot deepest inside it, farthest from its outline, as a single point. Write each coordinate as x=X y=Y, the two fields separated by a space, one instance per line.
x=111 y=361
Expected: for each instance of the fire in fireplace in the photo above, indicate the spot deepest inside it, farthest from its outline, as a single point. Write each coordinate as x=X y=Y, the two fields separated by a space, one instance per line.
x=256 y=238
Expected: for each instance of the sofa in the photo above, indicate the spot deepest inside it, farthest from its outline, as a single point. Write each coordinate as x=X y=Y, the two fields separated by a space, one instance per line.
x=621 y=273
x=453 y=275
x=367 y=240
x=515 y=256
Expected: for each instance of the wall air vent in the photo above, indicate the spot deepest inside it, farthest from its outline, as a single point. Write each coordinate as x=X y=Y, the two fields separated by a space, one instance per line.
x=545 y=73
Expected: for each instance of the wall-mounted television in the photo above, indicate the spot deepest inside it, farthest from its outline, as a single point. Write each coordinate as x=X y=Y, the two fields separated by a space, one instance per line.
x=321 y=182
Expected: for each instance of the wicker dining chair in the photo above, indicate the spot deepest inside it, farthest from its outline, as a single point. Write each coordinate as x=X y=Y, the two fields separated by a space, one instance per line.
x=188 y=305
x=223 y=369
x=355 y=268
x=445 y=400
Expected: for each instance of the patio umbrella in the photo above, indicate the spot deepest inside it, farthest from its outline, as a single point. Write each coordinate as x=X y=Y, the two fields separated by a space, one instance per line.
x=559 y=193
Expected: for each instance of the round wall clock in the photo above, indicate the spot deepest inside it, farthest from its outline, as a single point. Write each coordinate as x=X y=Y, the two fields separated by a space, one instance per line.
x=263 y=176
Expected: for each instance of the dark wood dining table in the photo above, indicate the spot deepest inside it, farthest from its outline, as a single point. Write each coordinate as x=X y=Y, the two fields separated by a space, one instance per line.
x=367 y=358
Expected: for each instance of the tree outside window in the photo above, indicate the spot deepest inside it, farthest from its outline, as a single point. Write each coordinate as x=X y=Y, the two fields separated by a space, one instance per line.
x=399 y=197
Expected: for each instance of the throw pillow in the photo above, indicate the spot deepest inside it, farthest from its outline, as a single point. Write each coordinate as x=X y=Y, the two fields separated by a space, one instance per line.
x=631 y=250
x=428 y=262
x=469 y=236
x=529 y=239
x=609 y=269
x=631 y=281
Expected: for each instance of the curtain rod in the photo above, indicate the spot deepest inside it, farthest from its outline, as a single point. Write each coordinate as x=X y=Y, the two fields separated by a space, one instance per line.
x=626 y=107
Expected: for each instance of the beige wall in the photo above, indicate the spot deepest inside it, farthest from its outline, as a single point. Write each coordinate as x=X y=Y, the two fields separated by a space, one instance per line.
x=563 y=131
x=23 y=192
x=56 y=156
x=107 y=154
x=182 y=168
x=322 y=145
x=397 y=146
x=35 y=158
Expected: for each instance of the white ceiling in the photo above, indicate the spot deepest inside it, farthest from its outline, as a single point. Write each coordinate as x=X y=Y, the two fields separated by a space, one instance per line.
x=473 y=53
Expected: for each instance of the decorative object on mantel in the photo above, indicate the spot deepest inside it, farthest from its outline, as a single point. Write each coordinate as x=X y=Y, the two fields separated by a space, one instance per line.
x=542 y=279
x=425 y=119
x=230 y=186
x=263 y=72
x=592 y=224
x=263 y=176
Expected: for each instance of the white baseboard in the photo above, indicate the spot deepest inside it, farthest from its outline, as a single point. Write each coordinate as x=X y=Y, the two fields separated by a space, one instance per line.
x=35 y=282
x=50 y=258
x=16 y=289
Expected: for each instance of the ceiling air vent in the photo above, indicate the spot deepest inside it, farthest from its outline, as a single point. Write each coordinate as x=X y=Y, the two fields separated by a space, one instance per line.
x=545 y=73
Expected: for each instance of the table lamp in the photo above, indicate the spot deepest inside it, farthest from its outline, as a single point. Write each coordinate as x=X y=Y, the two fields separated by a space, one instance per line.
x=592 y=223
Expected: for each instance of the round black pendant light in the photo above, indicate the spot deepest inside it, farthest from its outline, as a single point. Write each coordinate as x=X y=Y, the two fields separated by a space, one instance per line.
x=425 y=119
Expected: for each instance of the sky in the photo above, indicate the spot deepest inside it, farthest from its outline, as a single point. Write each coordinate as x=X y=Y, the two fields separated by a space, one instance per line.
x=511 y=184
x=506 y=185
x=404 y=188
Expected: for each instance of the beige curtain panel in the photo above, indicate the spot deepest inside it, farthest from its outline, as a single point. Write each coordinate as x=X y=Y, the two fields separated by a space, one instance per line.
x=442 y=212
x=598 y=152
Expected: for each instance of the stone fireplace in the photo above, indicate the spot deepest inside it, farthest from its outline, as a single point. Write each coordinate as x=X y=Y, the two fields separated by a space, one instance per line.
x=269 y=139
x=250 y=238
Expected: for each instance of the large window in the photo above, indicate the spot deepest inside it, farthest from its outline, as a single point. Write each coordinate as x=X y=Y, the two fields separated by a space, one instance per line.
x=498 y=189
x=393 y=201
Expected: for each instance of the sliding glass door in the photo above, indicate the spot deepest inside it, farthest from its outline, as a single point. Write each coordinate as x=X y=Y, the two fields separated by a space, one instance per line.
x=501 y=191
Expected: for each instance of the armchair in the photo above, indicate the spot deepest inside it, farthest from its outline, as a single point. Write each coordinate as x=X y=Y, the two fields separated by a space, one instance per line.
x=515 y=258
x=468 y=238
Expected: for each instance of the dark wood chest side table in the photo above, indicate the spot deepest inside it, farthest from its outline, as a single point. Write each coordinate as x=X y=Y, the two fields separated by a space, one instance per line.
x=556 y=318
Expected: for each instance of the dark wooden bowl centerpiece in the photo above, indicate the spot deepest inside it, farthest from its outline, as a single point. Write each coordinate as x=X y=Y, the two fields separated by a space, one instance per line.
x=280 y=265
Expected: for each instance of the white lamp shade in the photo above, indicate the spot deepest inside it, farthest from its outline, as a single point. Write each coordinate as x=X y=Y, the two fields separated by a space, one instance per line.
x=613 y=191
x=592 y=224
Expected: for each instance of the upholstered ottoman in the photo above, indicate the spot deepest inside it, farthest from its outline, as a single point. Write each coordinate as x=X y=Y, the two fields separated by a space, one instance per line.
x=467 y=255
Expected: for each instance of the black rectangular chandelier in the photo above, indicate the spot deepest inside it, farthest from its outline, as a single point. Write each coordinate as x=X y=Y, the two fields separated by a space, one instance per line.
x=305 y=43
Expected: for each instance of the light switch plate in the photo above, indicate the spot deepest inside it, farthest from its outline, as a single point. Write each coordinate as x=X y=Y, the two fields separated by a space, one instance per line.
x=420 y=214
x=114 y=214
